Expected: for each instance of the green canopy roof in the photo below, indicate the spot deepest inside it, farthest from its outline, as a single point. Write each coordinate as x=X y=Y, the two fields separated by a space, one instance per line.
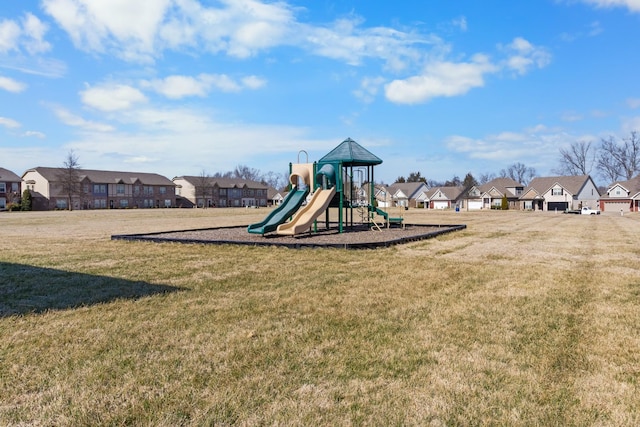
x=350 y=153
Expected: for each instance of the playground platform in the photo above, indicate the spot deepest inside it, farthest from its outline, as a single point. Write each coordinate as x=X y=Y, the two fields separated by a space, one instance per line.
x=358 y=237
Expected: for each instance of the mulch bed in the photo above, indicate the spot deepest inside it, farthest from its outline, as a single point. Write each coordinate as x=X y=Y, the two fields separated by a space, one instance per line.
x=356 y=237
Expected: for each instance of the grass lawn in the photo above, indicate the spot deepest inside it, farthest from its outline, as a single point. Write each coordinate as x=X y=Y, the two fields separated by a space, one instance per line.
x=521 y=319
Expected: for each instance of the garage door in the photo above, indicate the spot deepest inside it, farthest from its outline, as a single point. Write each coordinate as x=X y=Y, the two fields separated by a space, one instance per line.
x=475 y=205
x=557 y=206
x=616 y=207
x=440 y=205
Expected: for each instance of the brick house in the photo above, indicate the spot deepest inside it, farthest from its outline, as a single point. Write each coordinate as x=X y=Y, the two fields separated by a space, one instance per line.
x=220 y=192
x=10 y=188
x=99 y=189
x=622 y=196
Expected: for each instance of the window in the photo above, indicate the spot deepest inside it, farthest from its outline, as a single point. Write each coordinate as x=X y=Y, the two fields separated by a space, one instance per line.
x=61 y=203
x=120 y=189
x=124 y=203
x=148 y=191
x=14 y=187
x=167 y=203
x=618 y=192
x=3 y=187
x=136 y=190
x=162 y=190
x=100 y=203
x=556 y=191
x=99 y=188
x=223 y=191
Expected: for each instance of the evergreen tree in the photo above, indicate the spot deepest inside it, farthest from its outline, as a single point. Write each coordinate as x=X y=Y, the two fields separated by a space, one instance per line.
x=25 y=204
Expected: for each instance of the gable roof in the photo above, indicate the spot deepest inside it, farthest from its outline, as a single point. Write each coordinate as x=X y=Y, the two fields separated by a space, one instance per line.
x=224 y=182
x=107 y=177
x=450 y=193
x=501 y=185
x=572 y=183
x=632 y=186
x=7 y=176
x=408 y=188
x=350 y=153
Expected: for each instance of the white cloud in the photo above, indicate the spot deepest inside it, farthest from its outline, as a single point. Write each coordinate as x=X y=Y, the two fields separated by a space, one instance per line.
x=9 y=36
x=34 y=31
x=369 y=87
x=460 y=23
x=204 y=143
x=177 y=86
x=508 y=147
x=523 y=56
x=29 y=35
x=74 y=120
x=112 y=97
x=441 y=79
x=253 y=82
x=35 y=134
x=345 y=40
x=632 y=5
x=9 y=123
x=142 y=30
x=633 y=103
x=11 y=85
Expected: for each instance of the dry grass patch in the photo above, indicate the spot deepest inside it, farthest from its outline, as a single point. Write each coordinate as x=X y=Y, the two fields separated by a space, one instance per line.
x=521 y=319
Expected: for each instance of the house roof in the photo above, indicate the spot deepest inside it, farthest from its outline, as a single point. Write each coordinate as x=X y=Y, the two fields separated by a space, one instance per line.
x=7 y=176
x=225 y=182
x=501 y=185
x=408 y=188
x=632 y=186
x=108 y=177
x=450 y=193
x=350 y=153
x=573 y=184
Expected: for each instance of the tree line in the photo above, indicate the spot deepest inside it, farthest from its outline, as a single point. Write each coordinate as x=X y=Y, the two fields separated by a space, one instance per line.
x=611 y=159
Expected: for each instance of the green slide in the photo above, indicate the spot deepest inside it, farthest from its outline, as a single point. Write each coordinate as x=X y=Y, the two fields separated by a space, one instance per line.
x=289 y=205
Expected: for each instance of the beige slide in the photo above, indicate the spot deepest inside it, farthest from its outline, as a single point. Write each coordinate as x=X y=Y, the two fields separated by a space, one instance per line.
x=303 y=219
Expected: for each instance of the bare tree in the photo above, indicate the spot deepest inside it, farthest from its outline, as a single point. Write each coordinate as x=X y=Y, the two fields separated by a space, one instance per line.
x=245 y=172
x=203 y=187
x=619 y=159
x=486 y=177
x=276 y=180
x=577 y=159
x=69 y=177
x=519 y=172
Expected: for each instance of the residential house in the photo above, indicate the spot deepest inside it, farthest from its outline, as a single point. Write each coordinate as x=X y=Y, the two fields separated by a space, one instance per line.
x=98 y=189
x=10 y=188
x=381 y=195
x=274 y=197
x=622 y=196
x=560 y=193
x=490 y=195
x=408 y=194
x=445 y=197
x=220 y=192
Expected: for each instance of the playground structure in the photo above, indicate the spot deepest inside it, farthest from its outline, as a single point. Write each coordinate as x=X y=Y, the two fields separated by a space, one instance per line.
x=331 y=183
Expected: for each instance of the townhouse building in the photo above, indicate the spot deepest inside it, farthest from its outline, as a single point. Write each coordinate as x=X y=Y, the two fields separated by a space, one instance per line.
x=98 y=189
x=220 y=192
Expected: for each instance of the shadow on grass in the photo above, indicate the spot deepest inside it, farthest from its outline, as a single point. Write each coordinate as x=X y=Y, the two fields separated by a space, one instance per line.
x=28 y=289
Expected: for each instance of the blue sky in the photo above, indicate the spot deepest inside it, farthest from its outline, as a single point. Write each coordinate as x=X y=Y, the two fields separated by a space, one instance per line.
x=178 y=87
